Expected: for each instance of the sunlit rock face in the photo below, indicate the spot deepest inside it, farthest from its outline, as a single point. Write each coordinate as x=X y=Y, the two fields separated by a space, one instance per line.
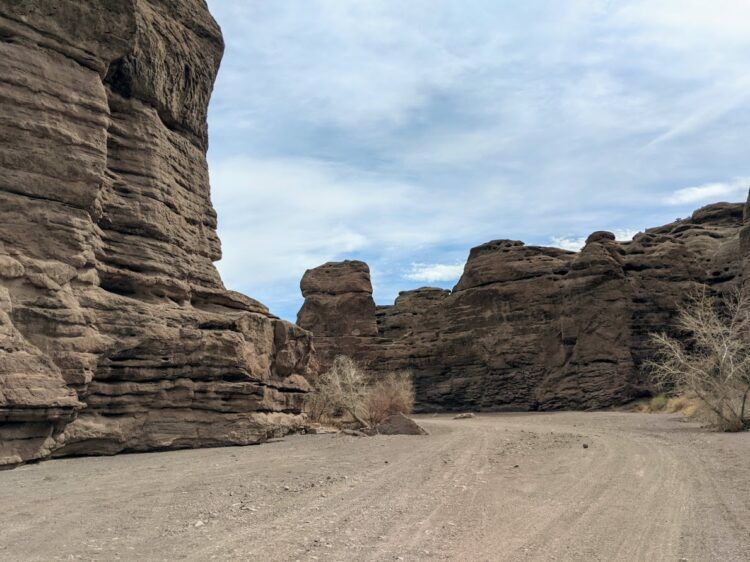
x=531 y=328
x=116 y=332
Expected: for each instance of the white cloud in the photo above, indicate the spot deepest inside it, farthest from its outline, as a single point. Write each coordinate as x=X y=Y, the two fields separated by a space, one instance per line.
x=626 y=234
x=280 y=216
x=574 y=244
x=734 y=190
x=704 y=44
x=407 y=132
x=706 y=107
x=571 y=244
x=434 y=272
x=675 y=24
x=344 y=63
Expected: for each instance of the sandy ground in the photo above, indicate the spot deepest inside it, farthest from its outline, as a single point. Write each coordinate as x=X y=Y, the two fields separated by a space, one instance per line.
x=496 y=487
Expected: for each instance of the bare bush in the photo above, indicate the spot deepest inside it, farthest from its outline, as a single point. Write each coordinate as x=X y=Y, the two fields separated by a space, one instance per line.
x=388 y=395
x=345 y=389
x=713 y=361
x=318 y=407
x=341 y=389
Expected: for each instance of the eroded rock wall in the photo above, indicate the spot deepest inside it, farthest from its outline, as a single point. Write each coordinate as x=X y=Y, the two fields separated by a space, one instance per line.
x=116 y=332
x=540 y=328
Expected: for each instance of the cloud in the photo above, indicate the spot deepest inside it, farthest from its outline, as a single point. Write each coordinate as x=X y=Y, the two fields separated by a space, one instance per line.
x=734 y=190
x=674 y=24
x=574 y=244
x=344 y=63
x=625 y=234
x=278 y=217
x=405 y=133
x=571 y=244
x=712 y=104
x=434 y=272
x=664 y=33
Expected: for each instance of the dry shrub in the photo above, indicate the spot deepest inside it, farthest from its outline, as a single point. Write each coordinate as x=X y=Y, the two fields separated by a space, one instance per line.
x=341 y=390
x=712 y=361
x=388 y=395
x=345 y=390
x=318 y=407
x=686 y=404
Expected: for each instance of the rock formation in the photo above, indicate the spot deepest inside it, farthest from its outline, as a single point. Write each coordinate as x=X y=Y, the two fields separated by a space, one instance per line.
x=529 y=327
x=339 y=304
x=116 y=332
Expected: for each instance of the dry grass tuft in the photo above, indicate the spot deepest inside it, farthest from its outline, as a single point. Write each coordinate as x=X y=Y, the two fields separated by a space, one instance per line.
x=658 y=403
x=686 y=404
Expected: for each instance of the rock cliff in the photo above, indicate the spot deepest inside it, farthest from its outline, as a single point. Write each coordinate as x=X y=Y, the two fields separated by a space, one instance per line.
x=116 y=332
x=529 y=327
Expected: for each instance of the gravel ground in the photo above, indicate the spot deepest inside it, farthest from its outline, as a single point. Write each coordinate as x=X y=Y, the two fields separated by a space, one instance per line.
x=495 y=487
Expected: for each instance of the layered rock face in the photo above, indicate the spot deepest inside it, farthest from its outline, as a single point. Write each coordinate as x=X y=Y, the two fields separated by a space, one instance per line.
x=529 y=327
x=116 y=332
x=339 y=304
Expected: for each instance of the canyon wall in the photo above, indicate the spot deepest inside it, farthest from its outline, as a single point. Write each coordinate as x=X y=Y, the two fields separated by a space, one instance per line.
x=116 y=332
x=526 y=327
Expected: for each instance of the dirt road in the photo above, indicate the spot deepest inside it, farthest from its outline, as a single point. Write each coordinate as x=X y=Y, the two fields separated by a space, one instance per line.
x=496 y=487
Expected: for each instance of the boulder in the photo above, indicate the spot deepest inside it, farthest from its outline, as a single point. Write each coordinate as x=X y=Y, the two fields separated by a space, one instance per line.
x=399 y=424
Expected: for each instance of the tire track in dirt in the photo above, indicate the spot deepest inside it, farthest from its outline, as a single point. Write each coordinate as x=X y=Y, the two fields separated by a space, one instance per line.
x=495 y=487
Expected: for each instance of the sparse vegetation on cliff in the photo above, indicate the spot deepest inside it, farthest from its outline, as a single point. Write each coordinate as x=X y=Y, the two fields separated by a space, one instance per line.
x=712 y=360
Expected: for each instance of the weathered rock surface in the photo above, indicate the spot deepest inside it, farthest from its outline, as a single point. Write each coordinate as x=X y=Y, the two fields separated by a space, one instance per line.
x=116 y=332
x=339 y=304
x=529 y=327
x=399 y=424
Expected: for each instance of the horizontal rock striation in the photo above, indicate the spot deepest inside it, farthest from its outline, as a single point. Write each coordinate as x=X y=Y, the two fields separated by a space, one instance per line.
x=116 y=332
x=339 y=304
x=529 y=327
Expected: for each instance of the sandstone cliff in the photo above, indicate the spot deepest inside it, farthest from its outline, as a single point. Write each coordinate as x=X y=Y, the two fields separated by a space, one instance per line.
x=529 y=327
x=116 y=332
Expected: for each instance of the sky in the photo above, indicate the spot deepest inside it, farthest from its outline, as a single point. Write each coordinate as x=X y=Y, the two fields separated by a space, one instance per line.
x=405 y=133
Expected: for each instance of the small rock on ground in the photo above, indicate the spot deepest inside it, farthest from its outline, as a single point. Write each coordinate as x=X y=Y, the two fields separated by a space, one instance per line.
x=399 y=424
